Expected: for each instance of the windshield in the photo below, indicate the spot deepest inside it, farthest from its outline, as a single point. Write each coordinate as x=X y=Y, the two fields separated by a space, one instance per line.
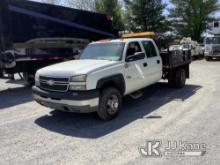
x=213 y=40
x=104 y=51
x=186 y=46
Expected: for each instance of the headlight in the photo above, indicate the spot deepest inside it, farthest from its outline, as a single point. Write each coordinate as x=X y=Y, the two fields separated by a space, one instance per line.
x=80 y=78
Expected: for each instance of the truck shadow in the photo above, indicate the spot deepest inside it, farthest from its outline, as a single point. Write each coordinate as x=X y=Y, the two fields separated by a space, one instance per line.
x=15 y=96
x=89 y=125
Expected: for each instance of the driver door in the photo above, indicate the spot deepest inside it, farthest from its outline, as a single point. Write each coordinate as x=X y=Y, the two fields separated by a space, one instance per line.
x=134 y=67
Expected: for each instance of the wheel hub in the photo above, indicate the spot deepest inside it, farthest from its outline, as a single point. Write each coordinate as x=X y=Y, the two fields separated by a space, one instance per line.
x=113 y=104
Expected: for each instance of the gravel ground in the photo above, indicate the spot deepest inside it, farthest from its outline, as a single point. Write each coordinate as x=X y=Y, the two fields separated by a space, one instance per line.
x=32 y=134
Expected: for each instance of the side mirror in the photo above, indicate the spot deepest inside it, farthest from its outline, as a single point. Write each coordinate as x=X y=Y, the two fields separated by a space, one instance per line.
x=135 y=57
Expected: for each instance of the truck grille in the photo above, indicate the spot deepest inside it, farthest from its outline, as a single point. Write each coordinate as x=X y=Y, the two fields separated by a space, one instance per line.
x=54 y=84
x=216 y=50
x=216 y=53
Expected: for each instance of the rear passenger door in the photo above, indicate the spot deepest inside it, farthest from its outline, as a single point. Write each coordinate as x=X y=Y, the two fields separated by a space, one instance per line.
x=153 y=60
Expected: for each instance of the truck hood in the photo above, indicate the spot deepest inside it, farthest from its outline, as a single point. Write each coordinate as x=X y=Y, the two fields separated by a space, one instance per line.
x=75 y=67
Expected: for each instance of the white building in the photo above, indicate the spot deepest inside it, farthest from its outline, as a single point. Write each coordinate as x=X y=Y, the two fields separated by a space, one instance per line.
x=216 y=27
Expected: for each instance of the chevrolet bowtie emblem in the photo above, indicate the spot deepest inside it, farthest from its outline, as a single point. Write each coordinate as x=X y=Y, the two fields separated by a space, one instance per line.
x=50 y=82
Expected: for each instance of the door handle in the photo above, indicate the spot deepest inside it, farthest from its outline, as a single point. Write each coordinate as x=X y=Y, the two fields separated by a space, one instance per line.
x=158 y=61
x=145 y=64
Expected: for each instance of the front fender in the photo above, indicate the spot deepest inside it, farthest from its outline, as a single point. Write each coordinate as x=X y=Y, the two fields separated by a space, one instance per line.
x=116 y=80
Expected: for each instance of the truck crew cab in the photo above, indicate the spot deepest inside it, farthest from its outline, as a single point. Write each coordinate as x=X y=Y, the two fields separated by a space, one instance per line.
x=107 y=71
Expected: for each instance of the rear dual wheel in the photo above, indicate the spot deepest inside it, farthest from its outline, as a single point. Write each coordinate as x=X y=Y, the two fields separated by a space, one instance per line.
x=178 y=79
x=208 y=58
x=1 y=73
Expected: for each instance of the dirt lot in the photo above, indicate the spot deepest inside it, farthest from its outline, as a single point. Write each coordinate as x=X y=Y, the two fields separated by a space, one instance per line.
x=32 y=134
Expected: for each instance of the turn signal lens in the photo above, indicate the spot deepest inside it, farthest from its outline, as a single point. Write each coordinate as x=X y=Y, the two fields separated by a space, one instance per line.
x=77 y=87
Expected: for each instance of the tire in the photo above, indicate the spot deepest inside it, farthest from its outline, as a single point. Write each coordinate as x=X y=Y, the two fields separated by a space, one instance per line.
x=1 y=73
x=28 y=79
x=110 y=104
x=180 y=78
x=208 y=58
x=171 y=81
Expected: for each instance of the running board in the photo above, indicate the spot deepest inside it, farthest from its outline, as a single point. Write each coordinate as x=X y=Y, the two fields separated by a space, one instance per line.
x=136 y=95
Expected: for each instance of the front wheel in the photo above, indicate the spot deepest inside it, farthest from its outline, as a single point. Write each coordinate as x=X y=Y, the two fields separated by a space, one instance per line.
x=110 y=103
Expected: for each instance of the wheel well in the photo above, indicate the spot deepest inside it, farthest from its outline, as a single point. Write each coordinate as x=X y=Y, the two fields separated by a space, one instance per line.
x=113 y=81
x=110 y=84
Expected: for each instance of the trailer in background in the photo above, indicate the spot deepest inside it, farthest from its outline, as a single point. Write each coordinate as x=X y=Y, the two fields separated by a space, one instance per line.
x=34 y=35
x=212 y=43
x=193 y=46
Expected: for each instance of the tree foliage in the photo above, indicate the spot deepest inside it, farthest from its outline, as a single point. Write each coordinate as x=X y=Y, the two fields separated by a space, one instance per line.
x=111 y=8
x=146 y=15
x=190 y=17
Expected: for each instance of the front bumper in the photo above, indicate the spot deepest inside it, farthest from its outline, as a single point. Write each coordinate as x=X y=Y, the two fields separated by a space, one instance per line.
x=81 y=102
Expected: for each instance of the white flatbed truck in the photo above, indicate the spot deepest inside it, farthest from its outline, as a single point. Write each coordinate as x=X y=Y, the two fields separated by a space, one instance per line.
x=107 y=71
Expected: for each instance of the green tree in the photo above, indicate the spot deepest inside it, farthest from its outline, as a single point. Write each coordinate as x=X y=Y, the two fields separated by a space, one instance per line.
x=112 y=8
x=146 y=15
x=190 y=17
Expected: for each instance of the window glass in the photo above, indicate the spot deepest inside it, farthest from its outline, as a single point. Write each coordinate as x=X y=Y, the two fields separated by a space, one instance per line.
x=216 y=24
x=134 y=47
x=149 y=49
x=104 y=51
x=213 y=40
